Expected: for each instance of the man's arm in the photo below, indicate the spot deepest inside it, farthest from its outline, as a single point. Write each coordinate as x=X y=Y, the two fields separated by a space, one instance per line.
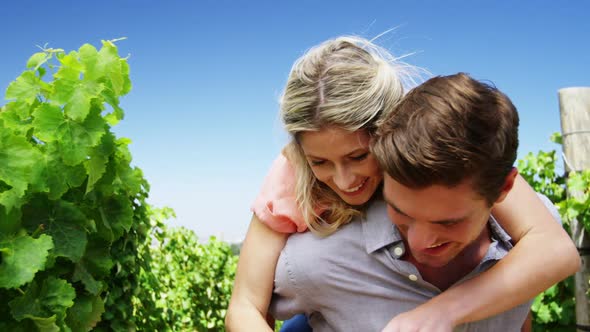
x=254 y=278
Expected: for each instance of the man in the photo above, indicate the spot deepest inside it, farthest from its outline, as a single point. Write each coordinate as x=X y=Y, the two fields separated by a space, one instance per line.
x=447 y=150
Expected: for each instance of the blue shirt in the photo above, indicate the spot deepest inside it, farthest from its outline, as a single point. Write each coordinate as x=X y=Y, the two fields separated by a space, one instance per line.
x=354 y=279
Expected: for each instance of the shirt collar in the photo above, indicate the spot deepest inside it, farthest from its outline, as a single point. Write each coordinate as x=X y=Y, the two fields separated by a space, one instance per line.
x=378 y=230
x=498 y=233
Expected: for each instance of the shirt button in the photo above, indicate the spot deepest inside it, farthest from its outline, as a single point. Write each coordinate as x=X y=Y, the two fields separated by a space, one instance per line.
x=413 y=277
x=398 y=251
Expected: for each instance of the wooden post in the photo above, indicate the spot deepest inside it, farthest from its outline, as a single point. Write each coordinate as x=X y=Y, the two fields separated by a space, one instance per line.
x=574 y=104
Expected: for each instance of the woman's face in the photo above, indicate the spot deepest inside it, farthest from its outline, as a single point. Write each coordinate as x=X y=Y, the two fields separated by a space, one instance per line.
x=341 y=159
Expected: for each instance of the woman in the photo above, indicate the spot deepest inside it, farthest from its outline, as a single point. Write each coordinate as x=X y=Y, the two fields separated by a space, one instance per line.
x=343 y=84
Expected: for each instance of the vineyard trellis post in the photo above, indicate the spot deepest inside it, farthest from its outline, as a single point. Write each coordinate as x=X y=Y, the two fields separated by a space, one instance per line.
x=574 y=104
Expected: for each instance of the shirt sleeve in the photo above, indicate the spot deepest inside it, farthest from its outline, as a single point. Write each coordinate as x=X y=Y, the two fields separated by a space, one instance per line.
x=551 y=207
x=275 y=204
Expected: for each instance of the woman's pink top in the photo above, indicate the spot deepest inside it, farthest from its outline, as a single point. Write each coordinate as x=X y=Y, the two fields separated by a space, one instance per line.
x=275 y=205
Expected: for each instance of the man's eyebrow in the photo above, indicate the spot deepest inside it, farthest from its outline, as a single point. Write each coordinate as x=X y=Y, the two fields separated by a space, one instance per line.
x=393 y=206
x=449 y=221
x=439 y=222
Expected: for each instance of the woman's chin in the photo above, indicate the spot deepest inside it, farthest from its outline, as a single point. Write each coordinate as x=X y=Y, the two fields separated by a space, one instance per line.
x=360 y=197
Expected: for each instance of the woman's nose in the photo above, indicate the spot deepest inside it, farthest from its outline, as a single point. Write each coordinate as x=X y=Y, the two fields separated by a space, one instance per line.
x=344 y=178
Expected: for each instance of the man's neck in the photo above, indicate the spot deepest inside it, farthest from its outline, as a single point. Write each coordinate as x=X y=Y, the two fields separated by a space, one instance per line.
x=465 y=262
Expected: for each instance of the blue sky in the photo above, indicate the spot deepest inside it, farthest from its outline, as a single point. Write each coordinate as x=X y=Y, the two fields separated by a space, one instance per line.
x=207 y=75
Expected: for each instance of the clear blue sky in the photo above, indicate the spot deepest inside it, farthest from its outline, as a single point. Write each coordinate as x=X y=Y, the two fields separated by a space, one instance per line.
x=207 y=74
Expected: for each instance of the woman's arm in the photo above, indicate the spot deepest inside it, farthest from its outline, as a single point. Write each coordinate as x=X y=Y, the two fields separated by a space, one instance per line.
x=254 y=278
x=543 y=249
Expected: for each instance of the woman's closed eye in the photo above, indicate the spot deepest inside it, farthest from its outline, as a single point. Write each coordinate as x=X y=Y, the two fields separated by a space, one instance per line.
x=316 y=162
x=360 y=157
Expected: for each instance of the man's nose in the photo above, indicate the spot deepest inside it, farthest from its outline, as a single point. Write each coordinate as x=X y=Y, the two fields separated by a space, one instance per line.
x=420 y=236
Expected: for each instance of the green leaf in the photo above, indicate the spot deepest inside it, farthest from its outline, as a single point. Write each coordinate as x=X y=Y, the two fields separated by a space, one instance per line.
x=133 y=181
x=62 y=92
x=551 y=291
x=55 y=177
x=126 y=81
x=36 y=60
x=556 y=308
x=70 y=68
x=45 y=305
x=53 y=297
x=75 y=138
x=25 y=88
x=18 y=110
x=109 y=63
x=9 y=221
x=544 y=315
x=12 y=120
x=22 y=257
x=81 y=274
x=76 y=96
x=95 y=166
x=89 y=58
x=116 y=211
x=47 y=120
x=74 y=238
x=103 y=228
x=18 y=159
x=85 y=313
x=62 y=220
x=118 y=114
x=556 y=138
x=78 y=105
x=576 y=182
x=123 y=177
x=98 y=258
x=45 y=324
x=41 y=71
x=57 y=295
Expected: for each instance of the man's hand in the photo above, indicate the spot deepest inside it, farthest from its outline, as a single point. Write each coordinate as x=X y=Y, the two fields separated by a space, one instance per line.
x=420 y=319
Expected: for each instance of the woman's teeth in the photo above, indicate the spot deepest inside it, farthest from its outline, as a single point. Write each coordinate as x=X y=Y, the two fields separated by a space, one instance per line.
x=351 y=190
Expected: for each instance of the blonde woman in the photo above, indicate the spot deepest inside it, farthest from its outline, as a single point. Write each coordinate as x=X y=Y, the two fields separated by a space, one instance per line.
x=337 y=91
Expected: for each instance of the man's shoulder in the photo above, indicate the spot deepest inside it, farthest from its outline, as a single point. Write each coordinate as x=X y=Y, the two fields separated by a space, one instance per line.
x=357 y=236
x=308 y=245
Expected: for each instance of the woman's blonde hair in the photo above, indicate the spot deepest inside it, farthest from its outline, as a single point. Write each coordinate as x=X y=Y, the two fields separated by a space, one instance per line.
x=347 y=83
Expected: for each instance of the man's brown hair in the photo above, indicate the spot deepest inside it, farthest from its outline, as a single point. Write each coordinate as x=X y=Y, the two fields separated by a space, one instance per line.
x=447 y=130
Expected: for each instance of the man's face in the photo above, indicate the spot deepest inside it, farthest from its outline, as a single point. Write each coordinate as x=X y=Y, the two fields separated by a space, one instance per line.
x=437 y=222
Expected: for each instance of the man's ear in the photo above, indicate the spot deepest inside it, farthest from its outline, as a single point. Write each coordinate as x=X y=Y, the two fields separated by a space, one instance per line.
x=508 y=184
